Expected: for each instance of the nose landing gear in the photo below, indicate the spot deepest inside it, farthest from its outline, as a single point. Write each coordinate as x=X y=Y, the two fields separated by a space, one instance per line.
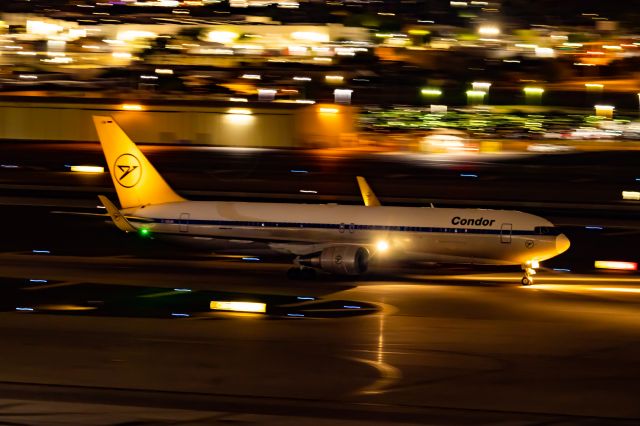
x=529 y=269
x=528 y=276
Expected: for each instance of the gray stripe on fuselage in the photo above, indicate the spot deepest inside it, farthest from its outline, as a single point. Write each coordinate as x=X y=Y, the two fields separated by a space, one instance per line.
x=347 y=227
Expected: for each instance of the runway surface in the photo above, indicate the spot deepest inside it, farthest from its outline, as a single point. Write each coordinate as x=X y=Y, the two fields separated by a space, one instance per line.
x=95 y=318
x=475 y=348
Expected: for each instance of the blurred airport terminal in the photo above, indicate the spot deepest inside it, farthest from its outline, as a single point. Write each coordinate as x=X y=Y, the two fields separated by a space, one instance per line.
x=426 y=75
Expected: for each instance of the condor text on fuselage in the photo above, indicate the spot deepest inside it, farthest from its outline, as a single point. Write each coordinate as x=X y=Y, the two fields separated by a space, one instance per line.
x=471 y=221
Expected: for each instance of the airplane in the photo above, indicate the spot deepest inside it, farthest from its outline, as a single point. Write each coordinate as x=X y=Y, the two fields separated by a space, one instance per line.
x=337 y=239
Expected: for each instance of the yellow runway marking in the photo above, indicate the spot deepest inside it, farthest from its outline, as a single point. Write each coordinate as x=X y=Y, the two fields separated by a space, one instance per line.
x=581 y=288
x=46 y=286
x=65 y=308
x=621 y=289
x=538 y=278
x=388 y=376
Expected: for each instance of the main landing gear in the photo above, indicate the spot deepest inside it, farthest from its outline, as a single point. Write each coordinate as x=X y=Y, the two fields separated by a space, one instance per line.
x=529 y=269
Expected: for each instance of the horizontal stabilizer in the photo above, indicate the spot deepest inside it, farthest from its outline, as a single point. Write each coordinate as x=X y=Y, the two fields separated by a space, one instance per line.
x=78 y=213
x=118 y=219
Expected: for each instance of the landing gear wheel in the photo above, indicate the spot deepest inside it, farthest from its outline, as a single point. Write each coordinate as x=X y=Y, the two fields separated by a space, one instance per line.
x=527 y=281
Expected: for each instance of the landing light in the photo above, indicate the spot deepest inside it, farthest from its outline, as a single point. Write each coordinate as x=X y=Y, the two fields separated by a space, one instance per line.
x=533 y=264
x=238 y=306
x=382 y=246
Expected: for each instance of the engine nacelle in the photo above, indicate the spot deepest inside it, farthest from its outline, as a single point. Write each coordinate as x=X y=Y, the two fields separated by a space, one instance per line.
x=341 y=260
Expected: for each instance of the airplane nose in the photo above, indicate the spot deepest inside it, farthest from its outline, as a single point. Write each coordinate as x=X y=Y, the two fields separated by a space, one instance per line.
x=562 y=243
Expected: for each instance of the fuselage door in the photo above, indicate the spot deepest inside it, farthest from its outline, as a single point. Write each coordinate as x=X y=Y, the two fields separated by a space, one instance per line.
x=184 y=222
x=505 y=233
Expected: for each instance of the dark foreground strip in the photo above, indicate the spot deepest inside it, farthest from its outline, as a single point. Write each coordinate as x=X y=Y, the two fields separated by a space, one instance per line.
x=353 y=409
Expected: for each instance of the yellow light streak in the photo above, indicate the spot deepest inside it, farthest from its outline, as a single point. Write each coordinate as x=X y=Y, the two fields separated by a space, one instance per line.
x=238 y=306
x=334 y=78
x=431 y=92
x=87 y=169
x=614 y=264
x=240 y=111
x=481 y=86
x=618 y=289
x=581 y=288
x=66 y=308
x=131 y=107
x=533 y=90
x=513 y=279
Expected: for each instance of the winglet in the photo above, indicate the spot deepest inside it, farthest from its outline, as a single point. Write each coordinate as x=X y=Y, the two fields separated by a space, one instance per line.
x=118 y=219
x=370 y=199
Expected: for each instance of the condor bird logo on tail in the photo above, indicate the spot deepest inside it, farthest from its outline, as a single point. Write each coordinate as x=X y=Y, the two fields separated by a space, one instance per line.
x=137 y=182
x=128 y=170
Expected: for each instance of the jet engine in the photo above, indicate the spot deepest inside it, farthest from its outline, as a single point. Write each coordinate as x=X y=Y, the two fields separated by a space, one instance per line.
x=341 y=260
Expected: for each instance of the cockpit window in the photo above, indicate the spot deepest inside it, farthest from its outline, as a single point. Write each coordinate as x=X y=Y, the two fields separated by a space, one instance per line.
x=547 y=230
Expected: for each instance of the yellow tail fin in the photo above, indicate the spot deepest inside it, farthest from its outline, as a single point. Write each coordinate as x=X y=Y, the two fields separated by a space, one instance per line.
x=137 y=182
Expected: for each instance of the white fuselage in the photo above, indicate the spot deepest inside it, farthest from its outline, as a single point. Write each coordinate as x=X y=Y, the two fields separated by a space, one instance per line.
x=476 y=236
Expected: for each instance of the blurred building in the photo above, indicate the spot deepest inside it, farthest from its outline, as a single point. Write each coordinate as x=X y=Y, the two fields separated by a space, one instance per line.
x=171 y=122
